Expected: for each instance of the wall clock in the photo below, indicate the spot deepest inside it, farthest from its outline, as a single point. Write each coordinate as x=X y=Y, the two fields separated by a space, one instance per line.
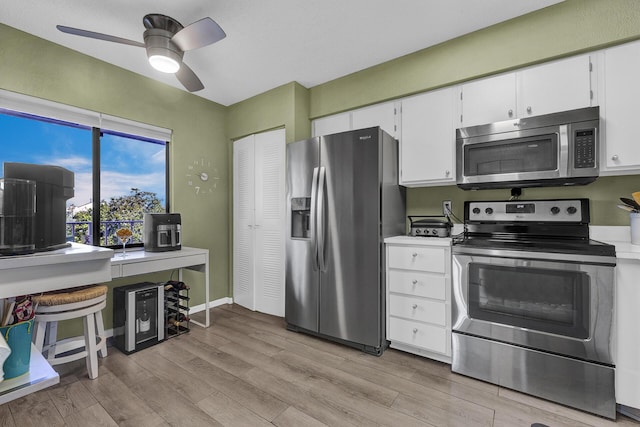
x=202 y=177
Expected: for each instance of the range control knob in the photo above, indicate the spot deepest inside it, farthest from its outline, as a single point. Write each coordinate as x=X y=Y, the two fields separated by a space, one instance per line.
x=434 y=231
x=555 y=210
x=571 y=210
x=476 y=211
x=488 y=211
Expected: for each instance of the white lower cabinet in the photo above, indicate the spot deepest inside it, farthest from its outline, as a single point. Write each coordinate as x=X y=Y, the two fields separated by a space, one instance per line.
x=628 y=333
x=419 y=296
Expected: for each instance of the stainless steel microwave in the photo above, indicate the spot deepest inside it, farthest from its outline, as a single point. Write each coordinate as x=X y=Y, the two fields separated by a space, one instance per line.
x=553 y=149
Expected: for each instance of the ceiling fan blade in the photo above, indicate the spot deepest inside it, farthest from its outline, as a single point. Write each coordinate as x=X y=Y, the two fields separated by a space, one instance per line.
x=199 y=34
x=188 y=78
x=99 y=36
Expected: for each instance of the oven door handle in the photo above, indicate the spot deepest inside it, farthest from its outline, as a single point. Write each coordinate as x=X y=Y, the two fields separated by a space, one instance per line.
x=536 y=256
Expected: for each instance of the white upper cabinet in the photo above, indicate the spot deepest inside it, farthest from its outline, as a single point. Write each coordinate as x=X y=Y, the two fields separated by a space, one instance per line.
x=427 y=144
x=331 y=124
x=488 y=100
x=620 y=109
x=383 y=115
x=547 y=88
x=556 y=86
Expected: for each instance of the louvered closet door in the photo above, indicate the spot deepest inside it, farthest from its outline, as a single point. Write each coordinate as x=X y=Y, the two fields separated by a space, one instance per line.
x=270 y=221
x=243 y=221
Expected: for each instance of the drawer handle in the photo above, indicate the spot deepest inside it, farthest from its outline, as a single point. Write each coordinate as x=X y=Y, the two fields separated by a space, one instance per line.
x=415 y=330
x=415 y=282
x=414 y=306
x=415 y=254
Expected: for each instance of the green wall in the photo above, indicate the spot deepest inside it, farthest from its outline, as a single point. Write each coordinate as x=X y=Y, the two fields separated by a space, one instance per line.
x=32 y=66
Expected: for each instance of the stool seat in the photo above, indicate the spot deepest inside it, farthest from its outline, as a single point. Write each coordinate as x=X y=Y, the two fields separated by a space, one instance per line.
x=68 y=296
x=86 y=303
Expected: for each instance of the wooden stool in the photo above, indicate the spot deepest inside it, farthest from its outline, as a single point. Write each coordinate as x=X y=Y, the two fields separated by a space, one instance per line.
x=87 y=303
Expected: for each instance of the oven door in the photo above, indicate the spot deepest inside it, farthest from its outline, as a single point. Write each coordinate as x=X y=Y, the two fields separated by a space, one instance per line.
x=563 y=307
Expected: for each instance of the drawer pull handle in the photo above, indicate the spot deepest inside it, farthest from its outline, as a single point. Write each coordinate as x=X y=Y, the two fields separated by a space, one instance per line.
x=415 y=254
x=415 y=330
x=415 y=282
x=414 y=306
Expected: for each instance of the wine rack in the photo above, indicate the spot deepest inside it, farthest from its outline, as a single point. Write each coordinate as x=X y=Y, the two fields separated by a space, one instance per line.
x=176 y=303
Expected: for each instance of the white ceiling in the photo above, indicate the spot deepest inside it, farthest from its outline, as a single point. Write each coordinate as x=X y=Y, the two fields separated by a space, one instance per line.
x=269 y=42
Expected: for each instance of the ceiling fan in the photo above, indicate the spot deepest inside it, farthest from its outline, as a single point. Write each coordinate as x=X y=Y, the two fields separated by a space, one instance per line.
x=166 y=40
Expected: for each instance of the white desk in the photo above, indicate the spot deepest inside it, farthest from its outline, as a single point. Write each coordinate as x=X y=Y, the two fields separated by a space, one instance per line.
x=81 y=265
x=142 y=262
x=77 y=265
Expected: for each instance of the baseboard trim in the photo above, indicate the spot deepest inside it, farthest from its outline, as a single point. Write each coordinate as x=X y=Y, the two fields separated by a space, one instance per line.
x=195 y=309
x=221 y=301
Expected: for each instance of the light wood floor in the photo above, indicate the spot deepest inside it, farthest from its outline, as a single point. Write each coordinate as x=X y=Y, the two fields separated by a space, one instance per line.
x=248 y=370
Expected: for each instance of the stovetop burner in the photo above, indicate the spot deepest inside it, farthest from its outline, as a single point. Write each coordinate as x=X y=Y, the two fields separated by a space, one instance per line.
x=576 y=246
x=553 y=226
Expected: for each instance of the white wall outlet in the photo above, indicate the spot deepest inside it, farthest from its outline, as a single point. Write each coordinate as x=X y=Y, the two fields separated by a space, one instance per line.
x=446 y=207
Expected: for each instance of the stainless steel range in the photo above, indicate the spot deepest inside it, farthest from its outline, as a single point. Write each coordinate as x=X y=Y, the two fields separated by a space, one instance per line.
x=533 y=302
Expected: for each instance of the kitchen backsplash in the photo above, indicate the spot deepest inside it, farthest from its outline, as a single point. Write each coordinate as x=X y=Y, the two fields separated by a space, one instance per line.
x=604 y=195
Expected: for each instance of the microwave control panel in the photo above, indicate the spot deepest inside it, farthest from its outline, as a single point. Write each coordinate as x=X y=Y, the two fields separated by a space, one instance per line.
x=584 y=149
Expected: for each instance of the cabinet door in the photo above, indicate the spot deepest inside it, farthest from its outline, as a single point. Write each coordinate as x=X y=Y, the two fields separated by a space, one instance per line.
x=556 y=86
x=488 y=100
x=269 y=222
x=621 y=107
x=628 y=337
x=331 y=124
x=383 y=115
x=243 y=220
x=427 y=146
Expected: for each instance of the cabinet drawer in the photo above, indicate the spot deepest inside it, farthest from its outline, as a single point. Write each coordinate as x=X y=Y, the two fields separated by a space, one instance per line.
x=418 y=309
x=418 y=334
x=418 y=284
x=417 y=258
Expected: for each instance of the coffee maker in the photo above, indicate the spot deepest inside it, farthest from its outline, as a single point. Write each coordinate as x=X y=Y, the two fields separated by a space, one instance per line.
x=162 y=232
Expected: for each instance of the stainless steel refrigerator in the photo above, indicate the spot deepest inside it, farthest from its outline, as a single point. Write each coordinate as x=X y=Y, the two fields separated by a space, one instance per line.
x=343 y=199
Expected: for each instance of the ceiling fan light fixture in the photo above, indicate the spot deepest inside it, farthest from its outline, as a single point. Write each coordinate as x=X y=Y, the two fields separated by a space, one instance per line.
x=163 y=54
x=164 y=63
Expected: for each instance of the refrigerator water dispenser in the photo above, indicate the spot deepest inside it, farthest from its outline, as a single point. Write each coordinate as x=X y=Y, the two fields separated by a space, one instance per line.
x=300 y=217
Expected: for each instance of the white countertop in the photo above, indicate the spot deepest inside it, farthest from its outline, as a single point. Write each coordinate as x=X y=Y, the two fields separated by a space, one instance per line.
x=619 y=236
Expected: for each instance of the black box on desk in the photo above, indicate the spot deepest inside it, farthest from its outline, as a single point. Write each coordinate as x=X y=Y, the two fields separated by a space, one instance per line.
x=138 y=316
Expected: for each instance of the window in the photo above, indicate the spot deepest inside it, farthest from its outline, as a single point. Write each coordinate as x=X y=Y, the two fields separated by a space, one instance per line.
x=120 y=169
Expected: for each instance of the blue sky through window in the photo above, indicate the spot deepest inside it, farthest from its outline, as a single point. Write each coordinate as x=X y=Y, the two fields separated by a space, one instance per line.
x=125 y=162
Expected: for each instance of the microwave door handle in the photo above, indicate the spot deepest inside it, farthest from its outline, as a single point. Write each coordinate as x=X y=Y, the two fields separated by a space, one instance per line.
x=563 y=161
x=314 y=218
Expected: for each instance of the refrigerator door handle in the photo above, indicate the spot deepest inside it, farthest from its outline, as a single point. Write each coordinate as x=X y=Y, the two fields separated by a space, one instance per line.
x=313 y=219
x=322 y=184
